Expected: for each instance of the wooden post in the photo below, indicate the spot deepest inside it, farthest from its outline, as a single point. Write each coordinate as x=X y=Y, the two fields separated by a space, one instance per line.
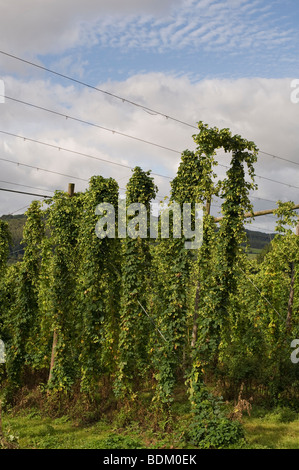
x=291 y=300
x=71 y=190
x=248 y=215
x=197 y=294
x=54 y=344
x=208 y=207
x=195 y=316
x=292 y=292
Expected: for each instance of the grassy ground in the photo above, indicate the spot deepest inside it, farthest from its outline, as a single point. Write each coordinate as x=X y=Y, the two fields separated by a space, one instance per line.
x=278 y=429
x=254 y=252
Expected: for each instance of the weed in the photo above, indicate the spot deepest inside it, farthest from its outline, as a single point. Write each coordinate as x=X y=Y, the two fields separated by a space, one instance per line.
x=118 y=441
x=240 y=406
x=282 y=415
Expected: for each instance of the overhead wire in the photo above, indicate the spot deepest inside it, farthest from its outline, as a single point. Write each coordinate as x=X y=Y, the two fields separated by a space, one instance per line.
x=86 y=180
x=147 y=109
x=44 y=196
x=80 y=153
x=26 y=186
x=82 y=121
x=258 y=290
x=42 y=169
x=126 y=135
x=279 y=158
x=48 y=171
x=122 y=99
x=75 y=152
x=123 y=134
x=23 y=192
x=20 y=209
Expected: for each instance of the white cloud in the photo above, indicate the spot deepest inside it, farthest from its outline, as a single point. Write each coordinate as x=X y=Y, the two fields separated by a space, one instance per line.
x=258 y=109
x=207 y=24
x=50 y=26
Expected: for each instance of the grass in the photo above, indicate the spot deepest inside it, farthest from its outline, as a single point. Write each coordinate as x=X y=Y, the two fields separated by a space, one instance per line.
x=254 y=252
x=276 y=429
x=33 y=431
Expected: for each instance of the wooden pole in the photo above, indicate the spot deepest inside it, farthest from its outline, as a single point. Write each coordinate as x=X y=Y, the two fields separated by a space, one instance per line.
x=292 y=292
x=54 y=344
x=247 y=215
x=197 y=294
x=71 y=191
x=291 y=300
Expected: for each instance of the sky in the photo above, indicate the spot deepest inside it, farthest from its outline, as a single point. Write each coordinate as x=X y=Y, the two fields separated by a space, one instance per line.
x=133 y=79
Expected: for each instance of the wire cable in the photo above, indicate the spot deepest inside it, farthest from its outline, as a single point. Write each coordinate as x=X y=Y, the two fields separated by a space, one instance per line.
x=108 y=161
x=258 y=290
x=23 y=192
x=51 y=171
x=82 y=121
x=21 y=208
x=26 y=186
x=75 y=152
x=43 y=169
x=124 y=100
x=279 y=158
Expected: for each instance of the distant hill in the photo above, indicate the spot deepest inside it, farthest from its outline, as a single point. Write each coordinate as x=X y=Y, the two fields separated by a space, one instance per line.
x=16 y=224
x=257 y=240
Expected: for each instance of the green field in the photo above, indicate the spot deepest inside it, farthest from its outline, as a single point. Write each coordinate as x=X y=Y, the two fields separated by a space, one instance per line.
x=29 y=429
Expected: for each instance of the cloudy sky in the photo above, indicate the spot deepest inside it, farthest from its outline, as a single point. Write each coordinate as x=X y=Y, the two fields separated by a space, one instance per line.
x=141 y=74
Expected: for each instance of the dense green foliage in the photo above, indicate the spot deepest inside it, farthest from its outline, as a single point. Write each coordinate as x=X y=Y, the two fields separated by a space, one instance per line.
x=16 y=226
x=256 y=240
x=136 y=271
x=79 y=311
